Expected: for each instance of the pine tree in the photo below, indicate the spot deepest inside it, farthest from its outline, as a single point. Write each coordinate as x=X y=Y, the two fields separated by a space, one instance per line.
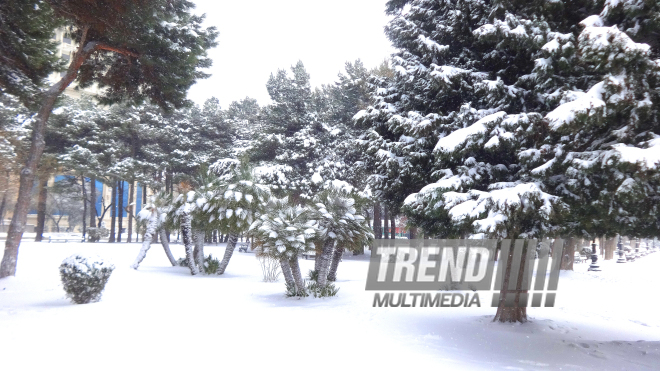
x=27 y=51
x=455 y=121
x=602 y=155
x=133 y=51
x=294 y=143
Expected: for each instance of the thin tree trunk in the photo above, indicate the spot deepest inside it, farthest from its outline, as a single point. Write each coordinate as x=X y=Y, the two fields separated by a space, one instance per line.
x=336 y=258
x=92 y=203
x=199 y=249
x=131 y=195
x=2 y=208
x=568 y=254
x=41 y=209
x=385 y=222
x=187 y=237
x=166 y=247
x=297 y=275
x=28 y=173
x=229 y=251
x=113 y=212
x=378 y=232
x=413 y=233
x=286 y=272
x=324 y=261
x=317 y=261
x=146 y=240
x=120 y=209
x=84 y=218
x=393 y=227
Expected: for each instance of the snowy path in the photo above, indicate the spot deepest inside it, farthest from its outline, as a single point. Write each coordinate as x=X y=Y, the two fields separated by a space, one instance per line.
x=160 y=317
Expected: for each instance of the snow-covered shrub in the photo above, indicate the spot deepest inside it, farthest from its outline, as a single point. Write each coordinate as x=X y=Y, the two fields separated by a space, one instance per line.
x=322 y=291
x=292 y=291
x=95 y=234
x=84 y=278
x=211 y=264
x=182 y=262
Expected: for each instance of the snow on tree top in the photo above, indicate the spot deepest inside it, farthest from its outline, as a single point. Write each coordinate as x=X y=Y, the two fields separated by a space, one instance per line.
x=592 y=21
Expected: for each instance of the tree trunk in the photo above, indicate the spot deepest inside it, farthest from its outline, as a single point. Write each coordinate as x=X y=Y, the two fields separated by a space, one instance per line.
x=297 y=275
x=229 y=251
x=568 y=255
x=41 y=209
x=317 y=261
x=392 y=226
x=2 y=208
x=336 y=258
x=113 y=212
x=386 y=219
x=199 y=249
x=516 y=313
x=28 y=173
x=378 y=232
x=324 y=261
x=131 y=195
x=166 y=247
x=286 y=272
x=120 y=209
x=84 y=218
x=413 y=233
x=187 y=237
x=610 y=246
x=92 y=203
x=146 y=240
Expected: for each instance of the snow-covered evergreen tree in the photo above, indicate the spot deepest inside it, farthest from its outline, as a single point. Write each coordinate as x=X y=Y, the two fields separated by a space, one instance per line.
x=601 y=154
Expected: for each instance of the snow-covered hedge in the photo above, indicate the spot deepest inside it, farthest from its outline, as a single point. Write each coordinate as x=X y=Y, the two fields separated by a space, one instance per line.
x=84 y=278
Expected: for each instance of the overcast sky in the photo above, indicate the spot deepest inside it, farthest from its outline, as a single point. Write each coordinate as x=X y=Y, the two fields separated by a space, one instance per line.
x=258 y=37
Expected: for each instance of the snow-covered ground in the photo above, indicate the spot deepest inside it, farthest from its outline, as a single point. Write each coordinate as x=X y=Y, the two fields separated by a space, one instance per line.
x=160 y=317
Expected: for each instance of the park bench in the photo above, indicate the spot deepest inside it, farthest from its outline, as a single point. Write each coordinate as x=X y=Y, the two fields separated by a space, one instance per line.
x=309 y=254
x=65 y=237
x=243 y=246
x=578 y=258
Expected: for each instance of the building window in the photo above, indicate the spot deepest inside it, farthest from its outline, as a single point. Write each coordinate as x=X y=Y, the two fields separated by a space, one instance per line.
x=66 y=57
x=66 y=40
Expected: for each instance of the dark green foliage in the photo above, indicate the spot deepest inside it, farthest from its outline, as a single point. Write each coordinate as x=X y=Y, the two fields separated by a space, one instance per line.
x=313 y=275
x=211 y=264
x=155 y=49
x=84 y=278
x=27 y=51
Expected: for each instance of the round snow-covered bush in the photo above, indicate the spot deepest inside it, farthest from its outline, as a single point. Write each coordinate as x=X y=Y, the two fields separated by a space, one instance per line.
x=84 y=278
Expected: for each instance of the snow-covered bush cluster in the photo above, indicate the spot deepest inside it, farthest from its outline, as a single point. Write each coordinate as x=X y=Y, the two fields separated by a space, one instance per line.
x=95 y=234
x=84 y=278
